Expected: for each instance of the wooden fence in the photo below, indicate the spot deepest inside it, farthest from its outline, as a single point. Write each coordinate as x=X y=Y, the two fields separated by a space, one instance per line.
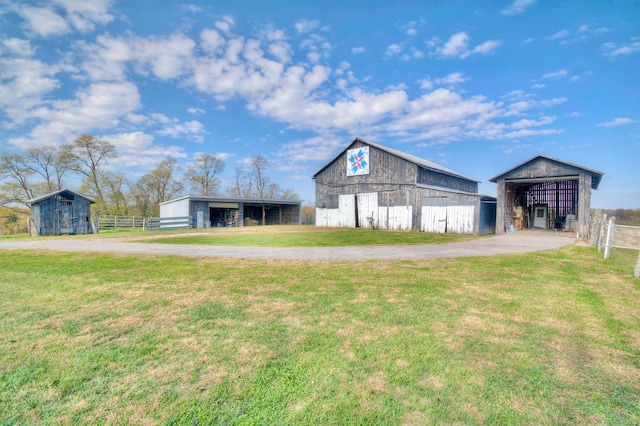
x=606 y=235
x=114 y=223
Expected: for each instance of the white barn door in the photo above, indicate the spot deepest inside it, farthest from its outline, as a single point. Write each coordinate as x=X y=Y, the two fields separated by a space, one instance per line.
x=347 y=211
x=450 y=219
x=434 y=219
x=368 y=210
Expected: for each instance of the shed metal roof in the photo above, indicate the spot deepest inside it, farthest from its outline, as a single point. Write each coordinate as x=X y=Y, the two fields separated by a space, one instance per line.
x=596 y=175
x=61 y=192
x=233 y=200
x=409 y=157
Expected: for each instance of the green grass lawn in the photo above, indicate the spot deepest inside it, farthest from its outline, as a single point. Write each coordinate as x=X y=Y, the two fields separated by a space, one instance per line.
x=302 y=236
x=539 y=338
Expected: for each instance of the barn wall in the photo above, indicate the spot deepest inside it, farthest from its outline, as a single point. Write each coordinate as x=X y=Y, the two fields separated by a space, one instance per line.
x=434 y=178
x=178 y=208
x=199 y=206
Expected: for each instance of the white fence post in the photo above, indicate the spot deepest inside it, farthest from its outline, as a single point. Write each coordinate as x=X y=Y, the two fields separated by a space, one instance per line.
x=637 y=272
x=603 y=225
x=607 y=248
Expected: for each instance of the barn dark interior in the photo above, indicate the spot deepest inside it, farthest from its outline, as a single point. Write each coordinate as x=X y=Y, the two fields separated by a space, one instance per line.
x=551 y=204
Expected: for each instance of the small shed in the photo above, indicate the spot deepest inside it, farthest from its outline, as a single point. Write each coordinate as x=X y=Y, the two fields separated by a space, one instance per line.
x=371 y=185
x=60 y=212
x=205 y=211
x=545 y=193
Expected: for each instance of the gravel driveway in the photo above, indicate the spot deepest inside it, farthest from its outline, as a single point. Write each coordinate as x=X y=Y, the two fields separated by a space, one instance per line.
x=518 y=242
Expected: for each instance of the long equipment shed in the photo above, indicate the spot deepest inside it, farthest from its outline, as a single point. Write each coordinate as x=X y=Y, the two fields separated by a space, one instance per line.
x=205 y=212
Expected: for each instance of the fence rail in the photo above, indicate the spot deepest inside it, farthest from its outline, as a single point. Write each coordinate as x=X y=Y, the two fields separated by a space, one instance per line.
x=168 y=223
x=113 y=223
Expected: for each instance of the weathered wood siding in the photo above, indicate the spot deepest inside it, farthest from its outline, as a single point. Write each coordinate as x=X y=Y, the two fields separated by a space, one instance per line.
x=367 y=205
x=435 y=178
x=542 y=168
x=449 y=219
x=397 y=217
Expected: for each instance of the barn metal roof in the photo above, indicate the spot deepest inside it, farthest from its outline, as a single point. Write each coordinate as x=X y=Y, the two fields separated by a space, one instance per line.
x=232 y=200
x=409 y=157
x=596 y=175
x=62 y=192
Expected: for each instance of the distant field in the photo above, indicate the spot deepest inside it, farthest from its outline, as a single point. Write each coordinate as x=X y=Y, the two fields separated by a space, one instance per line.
x=300 y=236
x=538 y=338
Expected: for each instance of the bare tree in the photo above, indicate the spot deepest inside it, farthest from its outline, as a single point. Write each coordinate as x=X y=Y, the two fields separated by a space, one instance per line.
x=242 y=186
x=47 y=162
x=86 y=155
x=16 y=172
x=157 y=186
x=258 y=174
x=202 y=174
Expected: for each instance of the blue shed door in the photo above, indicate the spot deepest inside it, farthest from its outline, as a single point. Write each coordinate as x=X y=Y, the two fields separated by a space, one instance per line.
x=66 y=217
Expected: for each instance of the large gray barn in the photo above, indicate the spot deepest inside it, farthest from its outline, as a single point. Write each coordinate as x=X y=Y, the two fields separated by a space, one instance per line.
x=370 y=185
x=545 y=193
x=61 y=212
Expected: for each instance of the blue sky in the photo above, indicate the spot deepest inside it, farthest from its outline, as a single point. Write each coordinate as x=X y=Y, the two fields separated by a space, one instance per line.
x=476 y=86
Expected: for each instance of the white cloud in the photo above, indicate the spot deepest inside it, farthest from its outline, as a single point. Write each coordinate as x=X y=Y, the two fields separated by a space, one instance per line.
x=305 y=26
x=618 y=49
x=18 y=47
x=24 y=83
x=100 y=106
x=538 y=86
x=129 y=146
x=556 y=74
x=357 y=50
x=83 y=15
x=225 y=24
x=458 y=46
x=450 y=80
x=487 y=47
x=196 y=111
x=192 y=130
x=620 y=121
x=559 y=35
x=51 y=21
x=44 y=22
x=517 y=7
x=393 y=49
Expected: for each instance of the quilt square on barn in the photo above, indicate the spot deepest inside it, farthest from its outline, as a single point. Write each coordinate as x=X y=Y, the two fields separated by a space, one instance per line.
x=358 y=161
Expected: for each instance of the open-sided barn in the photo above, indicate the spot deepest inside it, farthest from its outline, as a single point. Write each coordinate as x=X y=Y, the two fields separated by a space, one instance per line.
x=370 y=185
x=545 y=193
x=60 y=212
x=206 y=212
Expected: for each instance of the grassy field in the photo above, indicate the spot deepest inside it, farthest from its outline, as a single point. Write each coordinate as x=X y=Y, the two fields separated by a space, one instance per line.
x=540 y=338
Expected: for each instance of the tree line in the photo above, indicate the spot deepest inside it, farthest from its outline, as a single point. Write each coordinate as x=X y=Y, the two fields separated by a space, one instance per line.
x=42 y=170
